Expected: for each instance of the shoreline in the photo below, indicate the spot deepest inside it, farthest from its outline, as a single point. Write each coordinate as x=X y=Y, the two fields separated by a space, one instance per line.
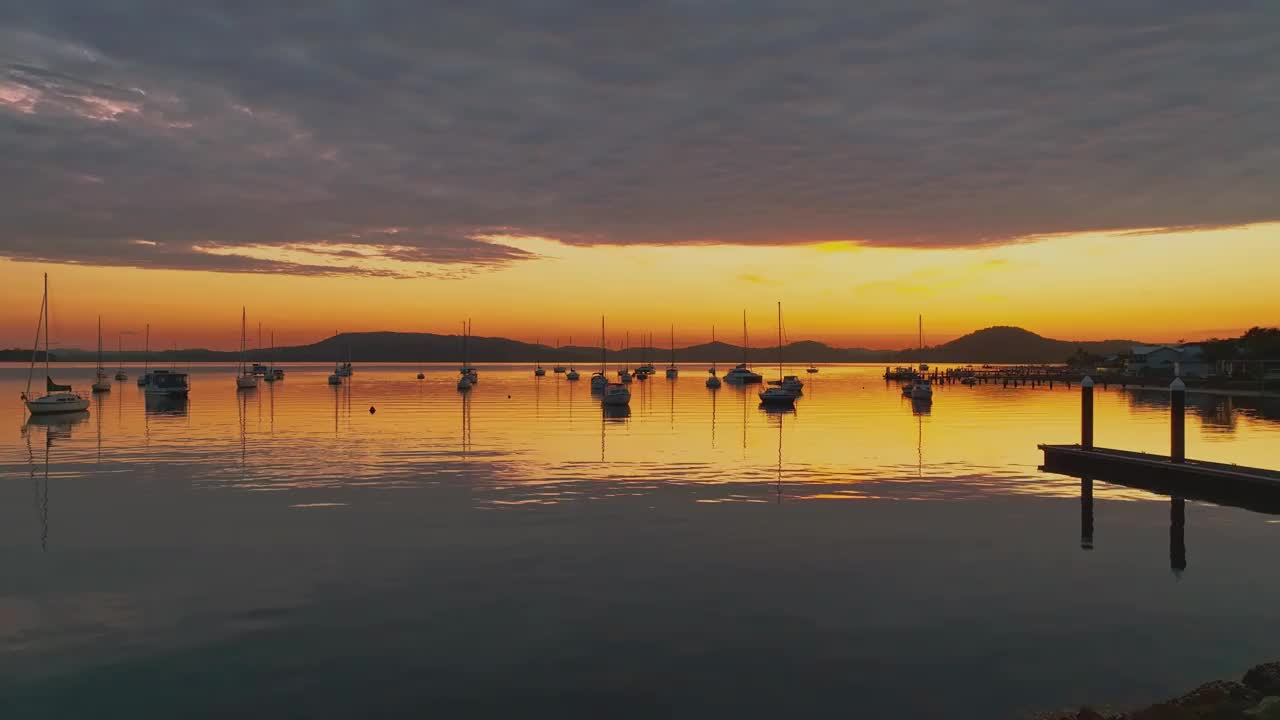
x=1255 y=696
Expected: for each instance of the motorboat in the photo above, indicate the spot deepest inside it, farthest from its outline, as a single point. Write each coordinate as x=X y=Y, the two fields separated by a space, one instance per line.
x=900 y=373
x=921 y=390
x=615 y=394
x=789 y=382
x=572 y=374
x=421 y=376
x=167 y=383
x=260 y=370
x=624 y=376
x=335 y=378
x=598 y=381
x=713 y=381
x=778 y=396
x=741 y=375
x=811 y=369
x=539 y=371
x=277 y=373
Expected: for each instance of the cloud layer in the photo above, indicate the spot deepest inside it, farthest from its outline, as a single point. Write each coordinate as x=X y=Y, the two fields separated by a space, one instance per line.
x=396 y=138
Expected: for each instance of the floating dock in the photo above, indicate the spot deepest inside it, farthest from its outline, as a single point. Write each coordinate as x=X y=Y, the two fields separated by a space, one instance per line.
x=1222 y=483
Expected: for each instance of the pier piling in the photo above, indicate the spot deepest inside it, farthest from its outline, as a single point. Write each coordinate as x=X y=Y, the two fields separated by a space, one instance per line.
x=1178 y=421
x=1086 y=413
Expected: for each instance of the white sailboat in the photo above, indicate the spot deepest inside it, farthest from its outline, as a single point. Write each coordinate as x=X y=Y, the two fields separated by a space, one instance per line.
x=100 y=383
x=245 y=379
x=572 y=374
x=780 y=393
x=742 y=375
x=57 y=398
x=672 y=370
x=713 y=382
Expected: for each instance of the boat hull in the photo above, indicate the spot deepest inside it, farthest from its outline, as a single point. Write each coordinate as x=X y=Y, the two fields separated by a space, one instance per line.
x=45 y=406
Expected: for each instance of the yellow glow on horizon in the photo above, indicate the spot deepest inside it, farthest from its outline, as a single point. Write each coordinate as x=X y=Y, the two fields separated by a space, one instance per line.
x=1155 y=286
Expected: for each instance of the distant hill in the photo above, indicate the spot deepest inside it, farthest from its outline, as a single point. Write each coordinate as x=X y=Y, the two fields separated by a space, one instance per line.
x=995 y=345
x=1003 y=344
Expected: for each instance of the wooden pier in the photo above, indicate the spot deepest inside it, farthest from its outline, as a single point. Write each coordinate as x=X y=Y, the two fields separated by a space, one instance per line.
x=1222 y=483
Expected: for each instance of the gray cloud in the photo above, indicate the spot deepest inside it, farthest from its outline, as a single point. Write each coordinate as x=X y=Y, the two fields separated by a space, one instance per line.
x=891 y=123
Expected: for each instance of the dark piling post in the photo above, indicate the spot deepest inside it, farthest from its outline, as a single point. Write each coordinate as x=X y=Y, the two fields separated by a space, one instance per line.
x=1086 y=413
x=1086 y=513
x=1177 y=535
x=1178 y=421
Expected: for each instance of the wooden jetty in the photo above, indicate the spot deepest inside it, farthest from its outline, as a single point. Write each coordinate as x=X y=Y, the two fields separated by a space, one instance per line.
x=1222 y=483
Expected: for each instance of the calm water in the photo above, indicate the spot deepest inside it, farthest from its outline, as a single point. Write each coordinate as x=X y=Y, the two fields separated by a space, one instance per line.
x=513 y=552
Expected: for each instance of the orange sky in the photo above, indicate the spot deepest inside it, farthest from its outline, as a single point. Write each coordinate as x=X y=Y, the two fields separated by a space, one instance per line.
x=1151 y=286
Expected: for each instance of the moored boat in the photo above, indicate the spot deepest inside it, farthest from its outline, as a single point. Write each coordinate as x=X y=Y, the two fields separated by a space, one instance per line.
x=57 y=398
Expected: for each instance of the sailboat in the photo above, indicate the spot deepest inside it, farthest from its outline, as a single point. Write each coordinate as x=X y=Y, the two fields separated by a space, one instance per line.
x=573 y=371
x=100 y=382
x=615 y=394
x=672 y=370
x=598 y=379
x=245 y=379
x=920 y=344
x=742 y=375
x=538 y=370
x=713 y=381
x=335 y=377
x=624 y=375
x=57 y=398
x=276 y=373
x=646 y=368
x=269 y=373
x=258 y=368
x=780 y=393
x=467 y=378
x=558 y=369
x=121 y=375
x=145 y=377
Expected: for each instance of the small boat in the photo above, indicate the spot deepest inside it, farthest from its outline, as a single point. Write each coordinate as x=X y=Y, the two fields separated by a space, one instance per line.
x=921 y=390
x=464 y=382
x=421 y=376
x=269 y=372
x=642 y=374
x=57 y=398
x=624 y=376
x=335 y=378
x=969 y=381
x=167 y=383
x=572 y=374
x=245 y=378
x=900 y=373
x=100 y=383
x=145 y=377
x=811 y=369
x=259 y=369
x=278 y=374
x=615 y=394
x=713 y=382
x=790 y=382
x=538 y=370
x=598 y=382
x=783 y=391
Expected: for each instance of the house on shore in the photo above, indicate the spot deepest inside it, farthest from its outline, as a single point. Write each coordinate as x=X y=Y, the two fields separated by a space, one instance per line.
x=1168 y=360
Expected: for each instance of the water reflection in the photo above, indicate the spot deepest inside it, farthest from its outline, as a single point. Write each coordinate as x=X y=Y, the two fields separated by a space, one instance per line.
x=164 y=405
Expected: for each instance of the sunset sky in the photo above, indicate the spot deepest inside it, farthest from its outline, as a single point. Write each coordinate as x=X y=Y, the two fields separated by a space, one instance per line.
x=1086 y=170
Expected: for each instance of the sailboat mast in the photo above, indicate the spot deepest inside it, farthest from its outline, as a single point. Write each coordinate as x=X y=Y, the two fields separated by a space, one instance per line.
x=713 y=349
x=779 y=339
x=603 y=350
x=46 y=327
x=99 y=347
x=673 y=344
x=242 y=328
x=35 y=344
x=744 y=337
x=146 y=352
